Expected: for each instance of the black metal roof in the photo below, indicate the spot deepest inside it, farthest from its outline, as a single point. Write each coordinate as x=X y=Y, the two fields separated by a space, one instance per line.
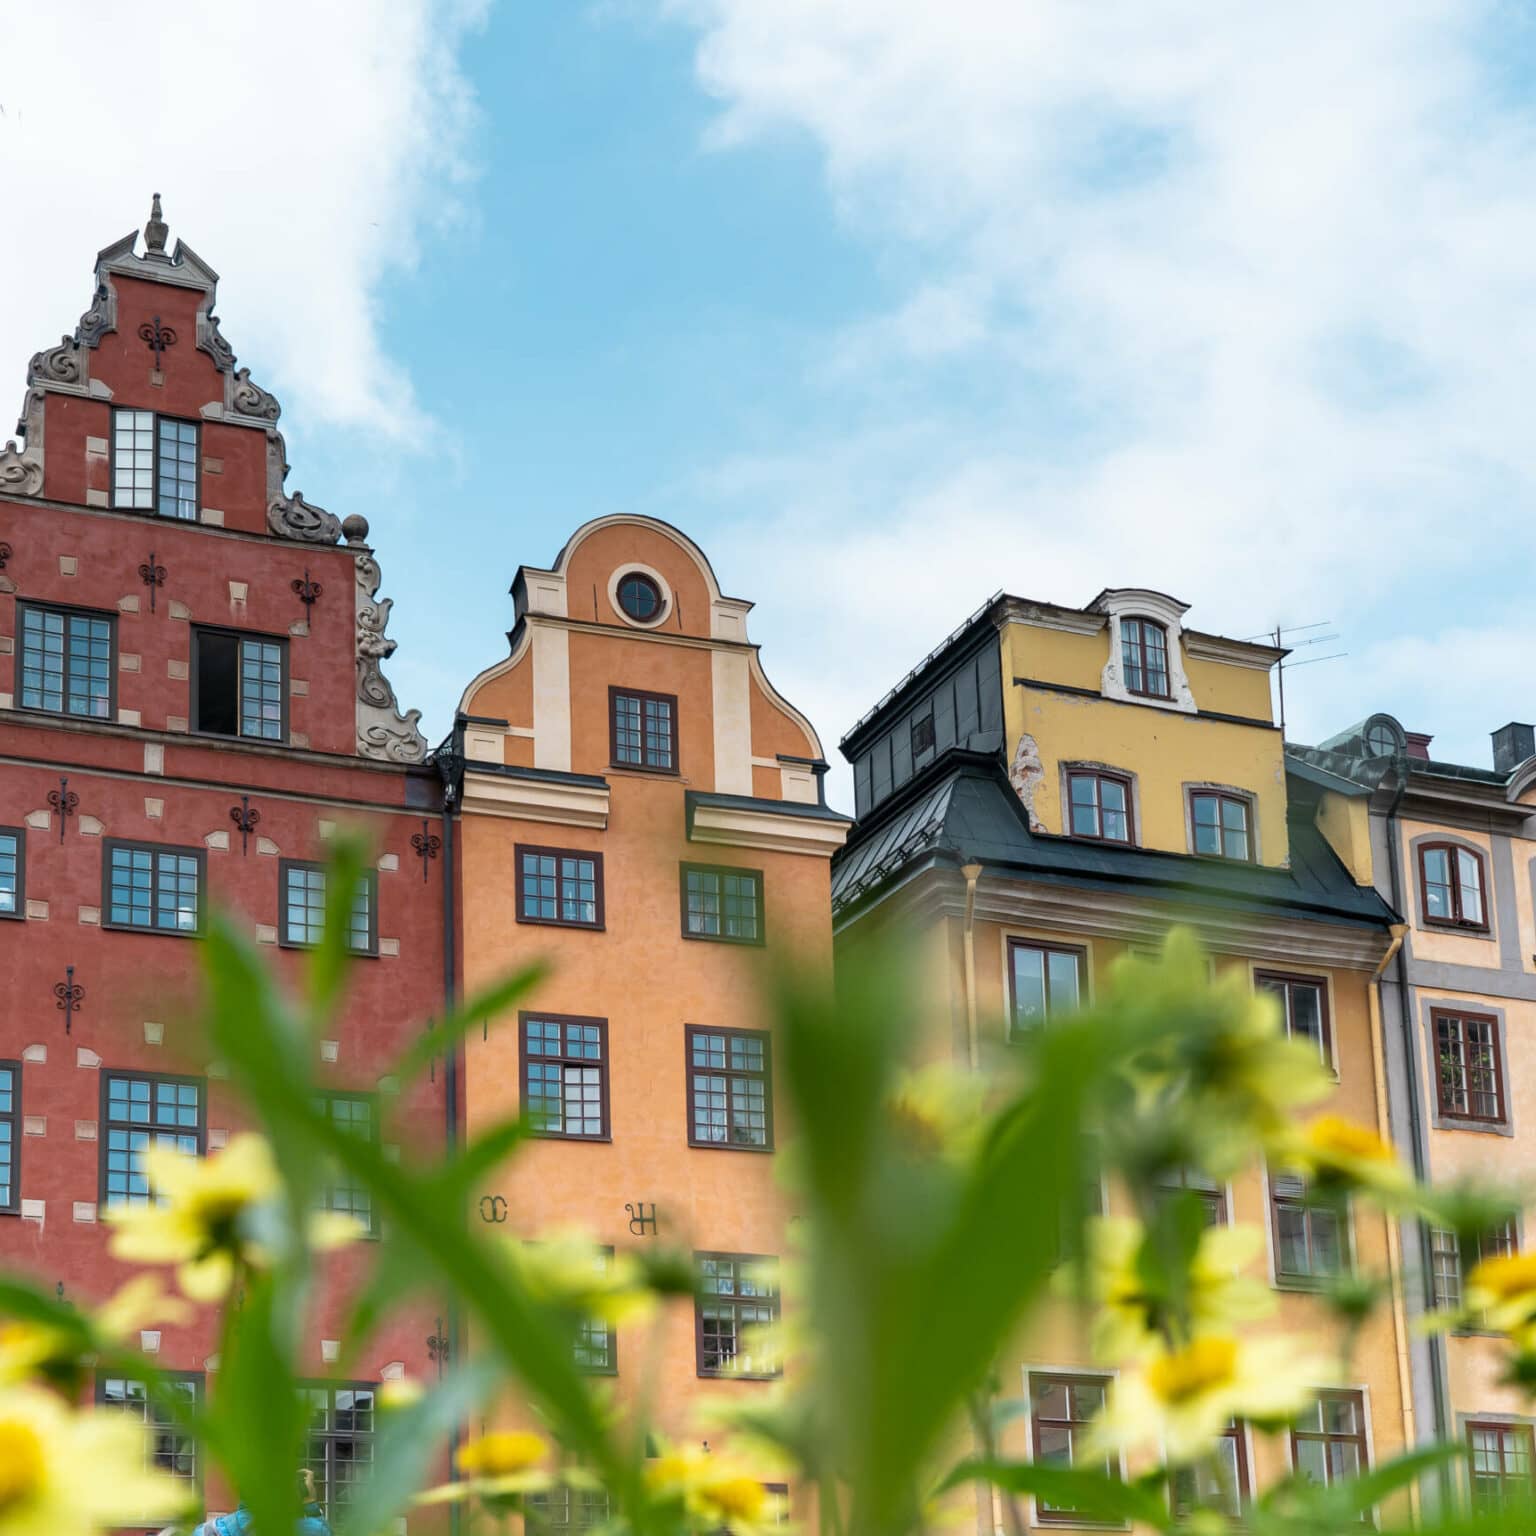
x=962 y=809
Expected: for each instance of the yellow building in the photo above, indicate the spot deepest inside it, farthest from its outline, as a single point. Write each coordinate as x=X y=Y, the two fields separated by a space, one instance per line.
x=1455 y=851
x=1054 y=786
x=641 y=809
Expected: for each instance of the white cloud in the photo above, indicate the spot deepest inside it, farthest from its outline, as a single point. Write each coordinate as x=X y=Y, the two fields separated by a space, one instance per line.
x=1238 y=301
x=301 y=149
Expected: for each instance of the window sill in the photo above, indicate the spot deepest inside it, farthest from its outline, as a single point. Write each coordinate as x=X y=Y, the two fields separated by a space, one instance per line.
x=1303 y=1285
x=556 y=922
x=163 y=933
x=641 y=768
x=577 y=1141
x=740 y=1375
x=1450 y=925
x=355 y=954
x=728 y=1146
x=720 y=938
x=1445 y=1122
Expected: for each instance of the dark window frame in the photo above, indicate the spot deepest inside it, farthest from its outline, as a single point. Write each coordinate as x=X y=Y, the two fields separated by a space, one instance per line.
x=1445 y=1244
x=615 y=761
x=1222 y=797
x=1143 y=624
x=106 y=1125
x=1274 y=981
x=194 y=671
x=686 y=868
x=922 y=733
x=199 y=1381
x=1237 y=1433
x=1045 y=1514
x=1101 y=776
x=1211 y=1193
x=1360 y=1441
x=612 y=1367
x=12 y=1207
x=690 y=1031
x=20 y=914
x=1079 y=954
x=199 y=855
x=153 y=509
x=1453 y=870
x=658 y=615
x=325 y=1491
x=1462 y=1017
x=1505 y=1429
x=26 y=605
x=1312 y=1279
x=604 y=1064
x=369 y=876
x=772 y=1301
x=542 y=851
x=354 y=1096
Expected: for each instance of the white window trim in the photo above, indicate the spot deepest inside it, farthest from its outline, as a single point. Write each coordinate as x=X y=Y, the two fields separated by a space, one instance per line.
x=1049 y=1523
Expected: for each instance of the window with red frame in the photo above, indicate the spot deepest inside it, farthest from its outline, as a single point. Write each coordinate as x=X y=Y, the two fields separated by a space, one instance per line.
x=1469 y=1066
x=1452 y=883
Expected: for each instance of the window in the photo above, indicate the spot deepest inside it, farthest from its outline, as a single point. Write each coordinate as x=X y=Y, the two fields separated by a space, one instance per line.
x=923 y=737
x=10 y=1136
x=639 y=596
x=1099 y=806
x=13 y=872
x=1219 y=823
x=730 y=1088
x=738 y=1292
x=644 y=729
x=1328 y=1440
x=154 y=464
x=1304 y=1006
x=1060 y=1409
x=339 y=1446
x=1211 y=1195
x=139 y=1111
x=1449 y=1265
x=1144 y=645
x=1469 y=1079
x=596 y=1346
x=559 y=885
x=1220 y=1482
x=1451 y=885
x=67 y=661
x=355 y=1114
x=1044 y=983
x=722 y=903
x=303 y=901
x=238 y=685
x=153 y=887
x=563 y=1509
x=565 y=1076
x=1500 y=1470
x=168 y=1447
x=1309 y=1239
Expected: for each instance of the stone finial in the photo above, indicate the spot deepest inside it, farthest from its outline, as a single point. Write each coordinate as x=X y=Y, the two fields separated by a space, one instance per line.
x=155 y=230
x=355 y=529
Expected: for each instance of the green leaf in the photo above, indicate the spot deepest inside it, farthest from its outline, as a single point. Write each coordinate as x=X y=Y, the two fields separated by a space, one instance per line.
x=1089 y=1495
x=483 y=1008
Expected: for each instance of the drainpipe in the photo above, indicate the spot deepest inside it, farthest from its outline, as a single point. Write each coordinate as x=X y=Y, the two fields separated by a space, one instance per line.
x=1394 y=1236
x=1438 y=1373
x=972 y=873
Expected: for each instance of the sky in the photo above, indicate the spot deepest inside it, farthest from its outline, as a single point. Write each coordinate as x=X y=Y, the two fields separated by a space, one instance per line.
x=888 y=304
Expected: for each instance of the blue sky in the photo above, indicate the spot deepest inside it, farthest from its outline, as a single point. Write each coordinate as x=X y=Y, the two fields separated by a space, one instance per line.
x=888 y=304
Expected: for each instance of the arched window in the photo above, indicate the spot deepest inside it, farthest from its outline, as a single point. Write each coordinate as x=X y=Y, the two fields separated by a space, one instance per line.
x=1452 y=886
x=1144 y=652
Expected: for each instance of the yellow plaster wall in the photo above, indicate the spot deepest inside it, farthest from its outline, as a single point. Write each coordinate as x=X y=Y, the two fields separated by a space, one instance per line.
x=1345 y=820
x=1224 y=689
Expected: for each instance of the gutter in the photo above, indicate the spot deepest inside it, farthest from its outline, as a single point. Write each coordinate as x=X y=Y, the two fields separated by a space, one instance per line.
x=972 y=873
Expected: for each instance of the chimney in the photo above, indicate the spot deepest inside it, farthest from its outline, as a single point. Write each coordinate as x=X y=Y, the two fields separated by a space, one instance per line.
x=1417 y=744
x=1512 y=744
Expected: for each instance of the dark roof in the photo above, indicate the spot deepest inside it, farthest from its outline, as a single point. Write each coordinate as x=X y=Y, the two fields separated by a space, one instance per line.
x=693 y=798
x=1368 y=772
x=963 y=809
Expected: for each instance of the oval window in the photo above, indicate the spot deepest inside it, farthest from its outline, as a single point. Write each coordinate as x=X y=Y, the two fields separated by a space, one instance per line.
x=639 y=597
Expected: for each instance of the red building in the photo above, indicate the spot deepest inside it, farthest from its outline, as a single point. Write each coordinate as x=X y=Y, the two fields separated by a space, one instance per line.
x=191 y=705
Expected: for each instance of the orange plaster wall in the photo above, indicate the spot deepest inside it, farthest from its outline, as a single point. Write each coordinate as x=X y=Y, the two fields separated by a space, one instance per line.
x=601 y=553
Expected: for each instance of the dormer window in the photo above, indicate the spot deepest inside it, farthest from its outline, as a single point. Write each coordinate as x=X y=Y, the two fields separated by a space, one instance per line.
x=154 y=464
x=1221 y=825
x=1099 y=805
x=1144 y=650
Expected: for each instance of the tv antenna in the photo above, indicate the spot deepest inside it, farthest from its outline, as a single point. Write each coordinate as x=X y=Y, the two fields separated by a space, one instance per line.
x=1279 y=638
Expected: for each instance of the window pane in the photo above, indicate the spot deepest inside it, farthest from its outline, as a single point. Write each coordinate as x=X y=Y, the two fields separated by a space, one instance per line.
x=1437 y=883
x=1063 y=973
x=1469 y=871
x=1116 y=821
x=1028 y=986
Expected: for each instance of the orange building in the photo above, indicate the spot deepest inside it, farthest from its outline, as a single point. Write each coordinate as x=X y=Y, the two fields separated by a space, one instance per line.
x=641 y=808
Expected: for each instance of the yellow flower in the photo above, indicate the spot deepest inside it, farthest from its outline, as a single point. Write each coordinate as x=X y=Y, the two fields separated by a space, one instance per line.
x=403 y=1392
x=73 y=1474
x=936 y=1110
x=55 y=1353
x=1218 y=1295
x=567 y=1269
x=1501 y=1292
x=715 y=1491
x=1335 y=1152
x=203 y=1216
x=496 y=1467
x=1181 y=1400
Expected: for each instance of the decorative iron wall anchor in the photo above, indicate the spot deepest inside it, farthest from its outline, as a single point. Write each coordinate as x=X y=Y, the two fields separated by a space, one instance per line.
x=642 y=1218
x=64 y=801
x=306 y=591
x=157 y=338
x=245 y=819
x=493 y=1209
x=438 y=1347
x=69 y=994
x=153 y=577
x=426 y=845
x=5 y=553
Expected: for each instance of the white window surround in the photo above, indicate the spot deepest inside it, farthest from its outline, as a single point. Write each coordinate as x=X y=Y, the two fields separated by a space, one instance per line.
x=1140 y=603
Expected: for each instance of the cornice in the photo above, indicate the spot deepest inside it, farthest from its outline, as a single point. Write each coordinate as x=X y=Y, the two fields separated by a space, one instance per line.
x=574 y=801
x=775 y=831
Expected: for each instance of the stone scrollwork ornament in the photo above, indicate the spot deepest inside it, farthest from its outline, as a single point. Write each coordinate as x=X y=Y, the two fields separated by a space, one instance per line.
x=58 y=365
x=291 y=517
x=382 y=730
x=19 y=474
x=99 y=319
x=251 y=399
